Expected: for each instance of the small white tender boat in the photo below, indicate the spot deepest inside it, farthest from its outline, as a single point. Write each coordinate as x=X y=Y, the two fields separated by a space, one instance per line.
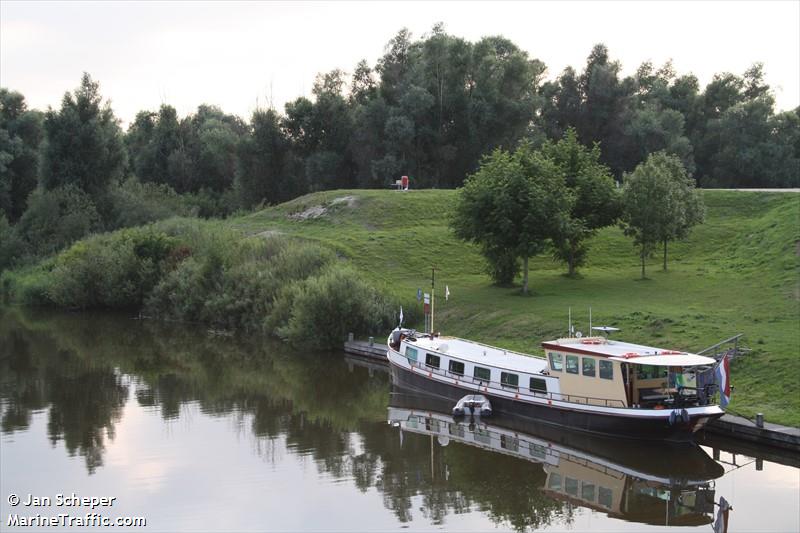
x=473 y=405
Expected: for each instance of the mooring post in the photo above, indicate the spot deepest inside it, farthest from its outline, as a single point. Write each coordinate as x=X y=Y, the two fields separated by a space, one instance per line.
x=349 y=337
x=760 y=420
x=759 y=465
x=371 y=341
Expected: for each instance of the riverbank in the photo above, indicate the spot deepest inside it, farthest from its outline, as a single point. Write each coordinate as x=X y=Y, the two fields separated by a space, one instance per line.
x=737 y=273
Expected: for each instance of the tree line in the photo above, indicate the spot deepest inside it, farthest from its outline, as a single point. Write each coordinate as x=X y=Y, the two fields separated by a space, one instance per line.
x=429 y=108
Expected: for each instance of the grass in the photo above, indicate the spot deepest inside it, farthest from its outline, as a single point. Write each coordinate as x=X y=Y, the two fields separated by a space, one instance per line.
x=737 y=273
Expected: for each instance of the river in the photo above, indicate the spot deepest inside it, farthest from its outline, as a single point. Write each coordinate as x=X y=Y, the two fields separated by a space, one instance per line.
x=108 y=418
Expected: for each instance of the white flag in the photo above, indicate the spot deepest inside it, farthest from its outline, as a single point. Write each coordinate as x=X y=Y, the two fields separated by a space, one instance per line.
x=401 y=315
x=446 y=293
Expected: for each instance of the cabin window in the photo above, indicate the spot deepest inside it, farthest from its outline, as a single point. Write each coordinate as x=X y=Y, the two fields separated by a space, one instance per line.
x=554 y=483
x=538 y=451
x=605 y=497
x=651 y=372
x=587 y=492
x=483 y=435
x=483 y=374
x=606 y=370
x=411 y=353
x=538 y=385
x=556 y=363
x=457 y=430
x=588 y=366
x=572 y=364
x=509 y=443
x=432 y=360
x=457 y=367
x=508 y=379
x=431 y=424
x=571 y=486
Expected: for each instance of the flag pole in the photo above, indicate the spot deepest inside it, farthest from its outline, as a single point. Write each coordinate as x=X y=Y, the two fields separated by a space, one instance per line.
x=433 y=295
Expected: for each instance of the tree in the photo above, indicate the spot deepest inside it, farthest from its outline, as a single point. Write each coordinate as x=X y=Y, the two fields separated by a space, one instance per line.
x=151 y=141
x=513 y=205
x=262 y=173
x=20 y=134
x=659 y=204
x=84 y=146
x=595 y=204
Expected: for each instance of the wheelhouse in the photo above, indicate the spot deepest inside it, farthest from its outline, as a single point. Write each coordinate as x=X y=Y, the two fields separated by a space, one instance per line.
x=633 y=374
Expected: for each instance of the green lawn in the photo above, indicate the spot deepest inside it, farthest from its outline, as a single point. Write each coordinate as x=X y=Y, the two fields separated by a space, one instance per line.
x=737 y=273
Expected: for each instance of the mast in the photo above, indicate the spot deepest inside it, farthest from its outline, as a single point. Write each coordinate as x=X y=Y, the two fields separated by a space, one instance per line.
x=433 y=295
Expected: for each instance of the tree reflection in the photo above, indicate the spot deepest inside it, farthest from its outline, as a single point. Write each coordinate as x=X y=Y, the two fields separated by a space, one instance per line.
x=83 y=367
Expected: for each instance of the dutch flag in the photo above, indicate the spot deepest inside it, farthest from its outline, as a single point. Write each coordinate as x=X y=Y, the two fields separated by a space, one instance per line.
x=723 y=379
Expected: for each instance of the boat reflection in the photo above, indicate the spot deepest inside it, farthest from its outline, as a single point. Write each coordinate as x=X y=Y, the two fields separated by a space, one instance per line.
x=654 y=484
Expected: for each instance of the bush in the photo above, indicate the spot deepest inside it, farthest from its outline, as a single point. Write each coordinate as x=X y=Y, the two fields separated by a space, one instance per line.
x=113 y=271
x=28 y=286
x=137 y=203
x=328 y=307
x=57 y=218
x=11 y=245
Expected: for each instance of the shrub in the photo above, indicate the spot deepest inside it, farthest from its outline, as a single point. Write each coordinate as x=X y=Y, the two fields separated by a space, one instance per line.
x=137 y=203
x=116 y=270
x=328 y=307
x=57 y=218
x=11 y=245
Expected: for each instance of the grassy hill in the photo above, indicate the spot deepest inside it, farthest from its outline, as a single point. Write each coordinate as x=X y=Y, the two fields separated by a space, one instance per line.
x=737 y=273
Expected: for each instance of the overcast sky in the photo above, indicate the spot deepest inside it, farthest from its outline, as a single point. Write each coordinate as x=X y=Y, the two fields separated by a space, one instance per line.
x=239 y=55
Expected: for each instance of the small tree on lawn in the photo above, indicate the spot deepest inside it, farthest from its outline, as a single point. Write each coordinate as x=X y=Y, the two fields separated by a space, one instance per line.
x=688 y=209
x=596 y=202
x=511 y=207
x=659 y=204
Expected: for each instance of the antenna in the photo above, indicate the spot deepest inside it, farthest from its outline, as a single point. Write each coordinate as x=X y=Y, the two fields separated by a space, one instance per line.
x=569 y=324
x=590 y=320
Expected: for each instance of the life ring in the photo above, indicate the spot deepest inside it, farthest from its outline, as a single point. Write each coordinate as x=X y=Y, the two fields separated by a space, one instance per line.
x=591 y=341
x=670 y=352
x=630 y=354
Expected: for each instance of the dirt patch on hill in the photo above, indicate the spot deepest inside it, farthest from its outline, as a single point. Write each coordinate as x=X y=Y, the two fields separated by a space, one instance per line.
x=317 y=211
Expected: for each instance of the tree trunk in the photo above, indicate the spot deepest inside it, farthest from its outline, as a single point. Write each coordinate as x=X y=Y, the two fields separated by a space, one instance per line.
x=571 y=259
x=665 y=255
x=525 y=276
x=642 y=254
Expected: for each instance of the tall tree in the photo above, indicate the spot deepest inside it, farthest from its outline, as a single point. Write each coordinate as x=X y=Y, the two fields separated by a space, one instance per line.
x=262 y=174
x=84 y=144
x=20 y=134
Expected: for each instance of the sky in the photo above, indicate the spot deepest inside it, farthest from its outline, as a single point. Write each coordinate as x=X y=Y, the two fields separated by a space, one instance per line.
x=240 y=56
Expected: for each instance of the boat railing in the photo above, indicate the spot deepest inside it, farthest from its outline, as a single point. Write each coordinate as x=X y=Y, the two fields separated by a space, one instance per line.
x=505 y=387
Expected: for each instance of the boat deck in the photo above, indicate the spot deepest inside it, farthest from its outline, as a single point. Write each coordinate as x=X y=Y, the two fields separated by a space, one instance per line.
x=478 y=353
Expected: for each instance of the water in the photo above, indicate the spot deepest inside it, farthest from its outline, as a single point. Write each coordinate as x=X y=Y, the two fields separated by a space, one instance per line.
x=200 y=433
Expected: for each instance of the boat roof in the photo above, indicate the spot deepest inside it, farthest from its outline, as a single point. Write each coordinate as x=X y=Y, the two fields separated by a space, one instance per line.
x=481 y=354
x=628 y=352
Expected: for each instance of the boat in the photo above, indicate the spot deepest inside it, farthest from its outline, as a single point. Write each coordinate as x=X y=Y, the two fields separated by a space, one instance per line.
x=617 y=477
x=473 y=405
x=593 y=384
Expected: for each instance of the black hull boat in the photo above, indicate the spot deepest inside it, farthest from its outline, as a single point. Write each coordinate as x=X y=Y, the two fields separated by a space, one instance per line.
x=611 y=425
x=593 y=385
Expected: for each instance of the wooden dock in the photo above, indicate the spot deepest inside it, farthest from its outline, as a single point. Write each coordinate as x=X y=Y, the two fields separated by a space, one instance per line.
x=375 y=350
